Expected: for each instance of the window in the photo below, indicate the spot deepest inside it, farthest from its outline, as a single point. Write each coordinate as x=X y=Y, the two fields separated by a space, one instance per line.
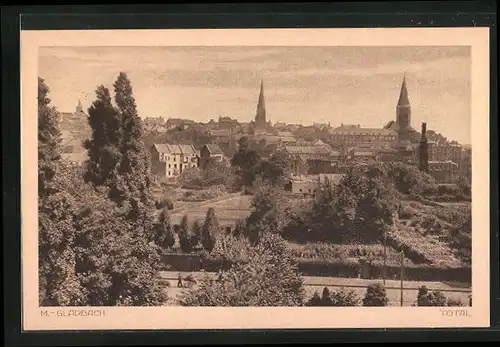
x=175 y=166
x=175 y=158
x=169 y=172
x=169 y=166
x=300 y=190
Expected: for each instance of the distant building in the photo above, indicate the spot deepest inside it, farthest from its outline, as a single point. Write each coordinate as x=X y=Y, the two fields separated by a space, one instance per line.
x=443 y=171
x=177 y=123
x=355 y=135
x=465 y=163
x=221 y=134
x=312 y=159
x=308 y=185
x=171 y=160
x=444 y=150
x=155 y=124
x=363 y=156
x=286 y=137
x=228 y=123
x=280 y=126
x=211 y=151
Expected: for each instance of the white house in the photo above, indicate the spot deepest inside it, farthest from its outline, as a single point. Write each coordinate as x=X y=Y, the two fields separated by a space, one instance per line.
x=171 y=160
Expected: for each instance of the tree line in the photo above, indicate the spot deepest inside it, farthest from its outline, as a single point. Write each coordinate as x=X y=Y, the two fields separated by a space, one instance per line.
x=96 y=245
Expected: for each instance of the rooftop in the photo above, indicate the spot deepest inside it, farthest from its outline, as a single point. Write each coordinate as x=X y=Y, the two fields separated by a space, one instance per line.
x=214 y=148
x=343 y=130
x=308 y=150
x=175 y=149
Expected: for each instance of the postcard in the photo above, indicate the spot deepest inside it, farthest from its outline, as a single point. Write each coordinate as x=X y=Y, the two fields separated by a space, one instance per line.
x=255 y=178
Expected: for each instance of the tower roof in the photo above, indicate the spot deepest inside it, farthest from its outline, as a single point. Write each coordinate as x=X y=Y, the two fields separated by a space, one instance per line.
x=260 y=117
x=403 y=95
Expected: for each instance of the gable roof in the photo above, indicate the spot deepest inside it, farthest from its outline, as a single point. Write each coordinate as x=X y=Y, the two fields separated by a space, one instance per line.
x=175 y=149
x=214 y=148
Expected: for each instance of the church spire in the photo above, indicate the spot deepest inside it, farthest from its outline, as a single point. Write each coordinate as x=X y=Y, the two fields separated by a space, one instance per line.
x=260 y=116
x=403 y=95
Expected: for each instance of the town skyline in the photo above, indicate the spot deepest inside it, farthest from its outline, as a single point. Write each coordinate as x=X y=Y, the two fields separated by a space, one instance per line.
x=304 y=90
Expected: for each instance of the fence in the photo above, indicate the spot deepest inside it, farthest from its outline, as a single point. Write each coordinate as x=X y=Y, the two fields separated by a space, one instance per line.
x=328 y=268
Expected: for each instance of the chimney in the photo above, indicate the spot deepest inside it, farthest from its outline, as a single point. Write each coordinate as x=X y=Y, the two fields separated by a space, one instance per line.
x=424 y=150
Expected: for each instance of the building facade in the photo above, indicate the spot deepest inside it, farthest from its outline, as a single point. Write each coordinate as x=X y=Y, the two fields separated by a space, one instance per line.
x=171 y=160
x=209 y=151
x=355 y=135
x=443 y=171
x=308 y=185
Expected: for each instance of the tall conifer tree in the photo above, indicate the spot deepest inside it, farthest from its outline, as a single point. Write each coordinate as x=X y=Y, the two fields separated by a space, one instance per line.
x=103 y=147
x=58 y=282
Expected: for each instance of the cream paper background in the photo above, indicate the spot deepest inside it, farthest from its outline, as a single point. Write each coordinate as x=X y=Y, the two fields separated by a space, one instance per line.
x=125 y=318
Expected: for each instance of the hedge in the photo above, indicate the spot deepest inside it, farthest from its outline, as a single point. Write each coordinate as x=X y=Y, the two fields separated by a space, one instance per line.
x=331 y=268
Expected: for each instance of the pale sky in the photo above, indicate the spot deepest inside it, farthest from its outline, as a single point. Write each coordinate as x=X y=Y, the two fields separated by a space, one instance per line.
x=350 y=85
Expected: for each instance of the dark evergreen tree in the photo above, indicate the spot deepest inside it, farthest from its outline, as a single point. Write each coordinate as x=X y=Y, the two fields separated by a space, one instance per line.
x=315 y=300
x=58 y=280
x=374 y=213
x=103 y=147
x=134 y=164
x=326 y=299
x=211 y=228
x=247 y=163
x=164 y=231
x=269 y=212
x=197 y=232
x=49 y=139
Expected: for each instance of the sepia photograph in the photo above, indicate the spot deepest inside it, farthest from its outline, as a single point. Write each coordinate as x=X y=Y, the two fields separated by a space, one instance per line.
x=279 y=175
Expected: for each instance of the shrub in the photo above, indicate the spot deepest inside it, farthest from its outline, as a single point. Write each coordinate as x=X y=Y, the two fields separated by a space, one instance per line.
x=315 y=300
x=454 y=302
x=203 y=194
x=406 y=212
x=229 y=247
x=320 y=250
x=430 y=298
x=239 y=228
x=166 y=202
x=270 y=278
x=376 y=295
x=344 y=297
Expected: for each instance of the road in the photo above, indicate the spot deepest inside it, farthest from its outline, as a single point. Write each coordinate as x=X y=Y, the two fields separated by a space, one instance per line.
x=410 y=288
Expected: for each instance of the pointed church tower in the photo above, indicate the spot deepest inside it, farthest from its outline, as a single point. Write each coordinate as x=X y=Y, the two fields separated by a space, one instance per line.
x=403 y=109
x=260 y=116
